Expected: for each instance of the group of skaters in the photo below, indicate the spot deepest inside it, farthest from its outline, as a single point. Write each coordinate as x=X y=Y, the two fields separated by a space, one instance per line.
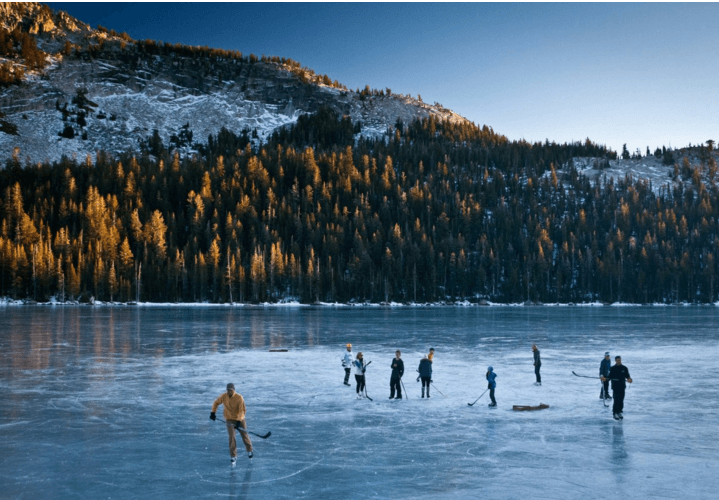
x=234 y=405
x=617 y=374
x=359 y=367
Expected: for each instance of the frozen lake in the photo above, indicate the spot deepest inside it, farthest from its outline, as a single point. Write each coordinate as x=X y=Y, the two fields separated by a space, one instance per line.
x=103 y=402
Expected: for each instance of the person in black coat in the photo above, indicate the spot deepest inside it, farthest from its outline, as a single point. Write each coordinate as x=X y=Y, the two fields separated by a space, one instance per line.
x=618 y=374
x=604 y=367
x=425 y=373
x=397 y=372
x=537 y=364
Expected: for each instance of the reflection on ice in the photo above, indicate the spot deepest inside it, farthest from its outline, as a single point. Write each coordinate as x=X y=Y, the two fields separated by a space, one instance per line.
x=113 y=402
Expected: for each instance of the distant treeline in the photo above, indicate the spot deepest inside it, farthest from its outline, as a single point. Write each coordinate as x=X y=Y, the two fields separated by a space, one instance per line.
x=439 y=211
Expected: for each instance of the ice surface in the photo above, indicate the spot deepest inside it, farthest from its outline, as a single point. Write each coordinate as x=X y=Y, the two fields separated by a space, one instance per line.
x=114 y=402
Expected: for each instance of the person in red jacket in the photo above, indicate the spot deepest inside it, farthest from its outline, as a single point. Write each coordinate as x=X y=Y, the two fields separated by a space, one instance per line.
x=234 y=413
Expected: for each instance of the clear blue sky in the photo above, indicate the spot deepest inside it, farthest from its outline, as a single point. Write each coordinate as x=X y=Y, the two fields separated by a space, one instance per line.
x=641 y=74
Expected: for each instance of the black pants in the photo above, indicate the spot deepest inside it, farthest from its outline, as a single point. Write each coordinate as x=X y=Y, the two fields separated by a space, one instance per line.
x=394 y=385
x=491 y=396
x=618 y=399
x=536 y=372
x=347 y=374
x=604 y=391
x=425 y=383
x=360 y=383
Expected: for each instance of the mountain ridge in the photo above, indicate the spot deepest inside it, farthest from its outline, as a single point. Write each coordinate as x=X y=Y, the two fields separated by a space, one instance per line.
x=134 y=87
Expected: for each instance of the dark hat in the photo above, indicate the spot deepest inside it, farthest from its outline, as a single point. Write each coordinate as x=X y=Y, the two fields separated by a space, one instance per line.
x=230 y=385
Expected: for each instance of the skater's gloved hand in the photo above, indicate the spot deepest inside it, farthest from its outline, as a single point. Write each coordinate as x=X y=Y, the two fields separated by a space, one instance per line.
x=213 y=417
x=431 y=381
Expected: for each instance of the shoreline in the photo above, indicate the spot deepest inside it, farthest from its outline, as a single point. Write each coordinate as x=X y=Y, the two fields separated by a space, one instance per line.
x=4 y=301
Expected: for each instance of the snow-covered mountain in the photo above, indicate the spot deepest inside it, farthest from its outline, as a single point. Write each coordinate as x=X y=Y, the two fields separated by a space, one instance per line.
x=104 y=91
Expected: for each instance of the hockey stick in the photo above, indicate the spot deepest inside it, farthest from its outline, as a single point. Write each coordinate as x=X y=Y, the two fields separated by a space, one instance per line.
x=249 y=432
x=365 y=390
x=435 y=388
x=604 y=399
x=365 y=382
x=405 y=390
x=587 y=376
x=472 y=404
x=604 y=393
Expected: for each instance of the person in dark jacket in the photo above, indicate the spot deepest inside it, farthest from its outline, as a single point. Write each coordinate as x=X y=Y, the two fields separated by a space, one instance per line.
x=397 y=372
x=491 y=385
x=537 y=364
x=604 y=367
x=425 y=373
x=618 y=374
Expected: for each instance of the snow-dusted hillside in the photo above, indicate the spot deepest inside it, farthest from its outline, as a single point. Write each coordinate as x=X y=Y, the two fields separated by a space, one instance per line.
x=649 y=168
x=131 y=94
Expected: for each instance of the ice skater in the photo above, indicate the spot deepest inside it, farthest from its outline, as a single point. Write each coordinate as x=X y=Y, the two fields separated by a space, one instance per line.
x=537 y=364
x=347 y=363
x=397 y=372
x=618 y=374
x=604 y=367
x=491 y=385
x=425 y=373
x=359 y=369
x=430 y=357
x=234 y=412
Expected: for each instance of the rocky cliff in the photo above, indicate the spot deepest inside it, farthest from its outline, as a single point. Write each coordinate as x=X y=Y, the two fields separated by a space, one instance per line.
x=102 y=90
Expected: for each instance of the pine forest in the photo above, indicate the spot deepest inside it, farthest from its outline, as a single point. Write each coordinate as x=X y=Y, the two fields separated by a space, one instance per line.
x=438 y=212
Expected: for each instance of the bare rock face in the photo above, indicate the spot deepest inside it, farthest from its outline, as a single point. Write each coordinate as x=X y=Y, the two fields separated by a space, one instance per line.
x=34 y=17
x=42 y=24
x=129 y=89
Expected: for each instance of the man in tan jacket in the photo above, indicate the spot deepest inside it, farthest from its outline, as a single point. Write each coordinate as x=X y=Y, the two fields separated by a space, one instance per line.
x=234 y=413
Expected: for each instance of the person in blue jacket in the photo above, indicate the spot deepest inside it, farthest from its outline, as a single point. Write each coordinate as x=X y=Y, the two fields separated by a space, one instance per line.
x=604 y=367
x=425 y=373
x=491 y=385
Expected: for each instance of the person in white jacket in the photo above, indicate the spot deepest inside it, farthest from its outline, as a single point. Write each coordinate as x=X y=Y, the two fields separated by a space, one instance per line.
x=359 y=369
x=347 y=363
